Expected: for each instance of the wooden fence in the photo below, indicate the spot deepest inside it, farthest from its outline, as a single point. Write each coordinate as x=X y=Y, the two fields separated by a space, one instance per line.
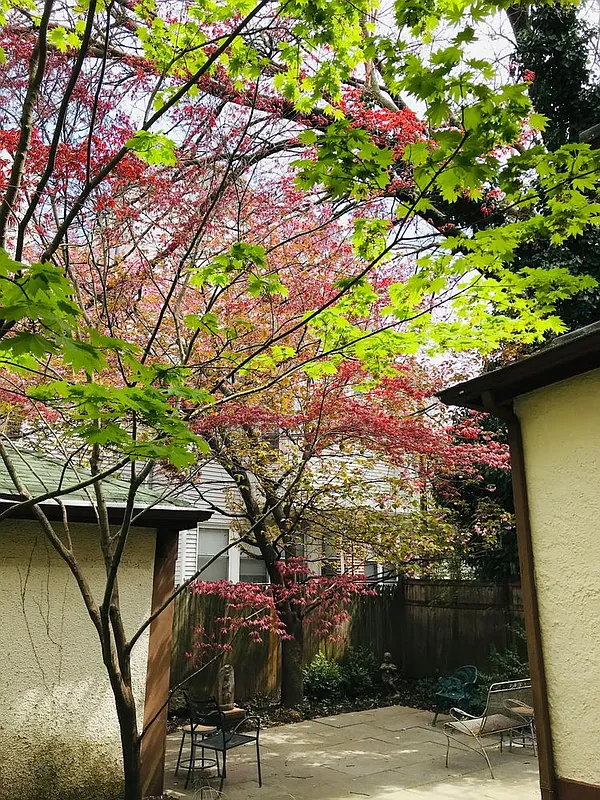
x=430 y=627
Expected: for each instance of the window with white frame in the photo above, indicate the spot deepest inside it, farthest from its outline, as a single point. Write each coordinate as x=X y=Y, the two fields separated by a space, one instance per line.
x=372 y=571
x=210 y=542
x=252 y=567
x=332 y=562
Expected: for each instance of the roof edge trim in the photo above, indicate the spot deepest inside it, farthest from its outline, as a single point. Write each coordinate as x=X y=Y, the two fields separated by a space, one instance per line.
x=574 y=355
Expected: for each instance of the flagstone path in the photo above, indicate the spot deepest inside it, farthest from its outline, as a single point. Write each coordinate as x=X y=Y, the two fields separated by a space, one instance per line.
x=385 y=754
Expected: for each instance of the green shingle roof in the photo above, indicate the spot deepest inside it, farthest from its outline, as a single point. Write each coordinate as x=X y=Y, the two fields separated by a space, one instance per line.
x=41 y=474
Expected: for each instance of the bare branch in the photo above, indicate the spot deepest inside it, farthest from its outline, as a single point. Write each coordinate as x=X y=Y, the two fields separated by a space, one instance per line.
x=37 y=66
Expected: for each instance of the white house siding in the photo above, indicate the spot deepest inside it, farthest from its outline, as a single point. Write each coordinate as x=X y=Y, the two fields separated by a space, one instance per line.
x=367 y=477
x=187 y=555
x=212 y=489
x=59 y=736
x=216 y=490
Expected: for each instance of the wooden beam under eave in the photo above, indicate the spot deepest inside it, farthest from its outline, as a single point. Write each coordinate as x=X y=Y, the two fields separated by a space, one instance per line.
x=159 y=666
x=576 y=790
x=531 y=615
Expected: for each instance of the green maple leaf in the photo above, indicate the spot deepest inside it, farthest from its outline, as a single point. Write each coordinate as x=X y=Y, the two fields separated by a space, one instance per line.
x=538 y=122
x=82 y=356
x=153 y=148
x=57 y=37
x=28 y=344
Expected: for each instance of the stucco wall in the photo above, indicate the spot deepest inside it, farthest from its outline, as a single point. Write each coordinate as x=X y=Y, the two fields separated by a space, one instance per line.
x=58 y=728
x=561 y=435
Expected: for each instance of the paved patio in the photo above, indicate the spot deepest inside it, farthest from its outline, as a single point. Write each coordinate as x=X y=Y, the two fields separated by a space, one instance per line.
x=385 y=754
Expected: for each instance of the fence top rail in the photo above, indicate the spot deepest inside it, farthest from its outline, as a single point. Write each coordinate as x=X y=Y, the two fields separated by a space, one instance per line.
x=459 y=583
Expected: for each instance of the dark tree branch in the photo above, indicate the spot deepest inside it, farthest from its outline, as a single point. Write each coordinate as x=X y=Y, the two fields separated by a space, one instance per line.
x=169 y=104
x=60 y=121
x=37 y=66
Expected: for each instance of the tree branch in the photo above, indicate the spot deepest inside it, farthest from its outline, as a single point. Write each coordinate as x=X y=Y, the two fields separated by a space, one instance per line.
x=60 y=121
x=170 y=103
x=37 y=66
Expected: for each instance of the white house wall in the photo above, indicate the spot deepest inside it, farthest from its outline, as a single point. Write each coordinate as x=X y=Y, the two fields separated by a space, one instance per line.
x=58 y=728
x=215 y=490
x=561 y=438
x=212 y=490
x=370 y=477
x=187 y=555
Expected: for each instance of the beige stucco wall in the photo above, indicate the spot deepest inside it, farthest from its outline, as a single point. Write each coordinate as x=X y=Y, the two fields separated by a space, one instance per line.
x=58 y=728
x=561 y=436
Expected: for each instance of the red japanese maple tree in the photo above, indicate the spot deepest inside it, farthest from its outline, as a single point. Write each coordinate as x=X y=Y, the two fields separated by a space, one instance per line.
x=197 y=202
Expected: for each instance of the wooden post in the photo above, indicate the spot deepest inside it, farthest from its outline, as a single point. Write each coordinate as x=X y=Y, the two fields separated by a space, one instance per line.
x=531 y=613
x=159 y=665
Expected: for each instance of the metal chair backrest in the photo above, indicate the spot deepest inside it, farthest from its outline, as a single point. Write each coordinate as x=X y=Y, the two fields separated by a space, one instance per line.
x=467 y=675
x=204 y=711
x=500 y=693
x=459 y=685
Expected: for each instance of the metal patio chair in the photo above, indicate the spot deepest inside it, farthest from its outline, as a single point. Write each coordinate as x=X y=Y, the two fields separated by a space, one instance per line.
x=523 y=711
x=205 y=718
x=499 y=717
x=455 y=690
x=225 y=740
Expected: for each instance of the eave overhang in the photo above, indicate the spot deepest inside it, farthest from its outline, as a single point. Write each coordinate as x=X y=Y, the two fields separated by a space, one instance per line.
x=160 y=516
x=567 y=356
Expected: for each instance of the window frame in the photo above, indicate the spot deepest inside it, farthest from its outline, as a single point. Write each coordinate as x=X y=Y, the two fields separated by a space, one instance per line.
x=224 y=559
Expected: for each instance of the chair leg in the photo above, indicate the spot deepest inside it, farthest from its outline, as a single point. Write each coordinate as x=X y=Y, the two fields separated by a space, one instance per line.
x=224 y=773
x=485 y=755
x=192 y=760
x=258 y=763
x=180 y=752
x=447 y=750
x=435 y=716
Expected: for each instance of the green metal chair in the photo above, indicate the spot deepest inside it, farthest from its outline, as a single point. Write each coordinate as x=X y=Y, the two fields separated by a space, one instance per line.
x=455 y=689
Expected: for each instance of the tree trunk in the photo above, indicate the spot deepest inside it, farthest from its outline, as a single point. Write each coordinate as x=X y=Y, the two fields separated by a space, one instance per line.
x=292 y=651
x=130 y=744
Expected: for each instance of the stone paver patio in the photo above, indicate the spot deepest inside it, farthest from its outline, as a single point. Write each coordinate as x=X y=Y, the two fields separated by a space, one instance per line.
x=384 y=754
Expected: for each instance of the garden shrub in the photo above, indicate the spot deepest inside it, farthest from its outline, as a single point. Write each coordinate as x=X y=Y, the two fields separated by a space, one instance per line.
x=505 y=665
x=322 y=678
x=419 y=693
x=359 y=673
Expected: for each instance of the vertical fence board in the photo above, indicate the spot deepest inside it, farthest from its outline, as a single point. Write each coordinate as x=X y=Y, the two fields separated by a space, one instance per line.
x=430 y=628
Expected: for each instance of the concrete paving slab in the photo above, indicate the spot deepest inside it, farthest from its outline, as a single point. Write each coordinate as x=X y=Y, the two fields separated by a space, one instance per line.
x=383 y=754
x=324 y=737
x=344 y=720
x=415 y=734
x=368 y=756
x=392 y=715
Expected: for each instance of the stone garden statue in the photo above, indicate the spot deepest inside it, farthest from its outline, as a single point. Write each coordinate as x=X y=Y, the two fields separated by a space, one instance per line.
x=389 y=675
x=226 y=688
